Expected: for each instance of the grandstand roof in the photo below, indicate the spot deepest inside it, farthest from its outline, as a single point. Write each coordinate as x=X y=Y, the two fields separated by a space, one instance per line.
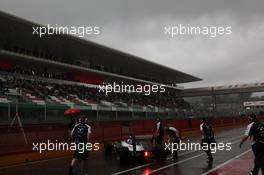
x=69 y=49
x=222 y=90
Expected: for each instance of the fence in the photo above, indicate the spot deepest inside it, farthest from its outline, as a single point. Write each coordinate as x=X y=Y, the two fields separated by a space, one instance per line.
x=36 y=113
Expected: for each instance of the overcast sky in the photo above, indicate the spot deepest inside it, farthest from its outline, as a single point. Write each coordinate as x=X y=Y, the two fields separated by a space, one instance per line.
x=137 y=27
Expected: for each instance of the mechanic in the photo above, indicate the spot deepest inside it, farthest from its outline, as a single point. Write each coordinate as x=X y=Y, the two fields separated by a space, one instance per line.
x=207 y=138
x=80 y=133
x=256 y=130
x=132 y=139
x=159 y=132
x=174 y=137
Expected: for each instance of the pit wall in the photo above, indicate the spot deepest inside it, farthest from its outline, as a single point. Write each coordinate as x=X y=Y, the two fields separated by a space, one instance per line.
x=110 y=131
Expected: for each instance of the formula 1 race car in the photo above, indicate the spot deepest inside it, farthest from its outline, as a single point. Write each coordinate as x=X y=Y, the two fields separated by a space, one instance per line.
x=127 y=151
x=144 y=148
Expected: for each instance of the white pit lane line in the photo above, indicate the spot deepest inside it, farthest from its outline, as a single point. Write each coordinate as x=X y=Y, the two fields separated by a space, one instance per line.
x=176 y=163
x=185 y=160
x=182 y=161
x=227 y=162
x=131 y=169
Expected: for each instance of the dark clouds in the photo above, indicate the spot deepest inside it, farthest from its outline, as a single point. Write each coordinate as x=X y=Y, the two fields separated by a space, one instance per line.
x=137 y=27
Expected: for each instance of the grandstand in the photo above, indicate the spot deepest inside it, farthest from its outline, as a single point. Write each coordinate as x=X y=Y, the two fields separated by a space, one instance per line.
x=65 y=71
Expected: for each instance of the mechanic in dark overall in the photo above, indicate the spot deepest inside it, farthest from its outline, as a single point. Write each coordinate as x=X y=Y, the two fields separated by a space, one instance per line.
x=256 y=130
x=80 y=134
x=159 y=132
x=207 y=138
x=174 y=137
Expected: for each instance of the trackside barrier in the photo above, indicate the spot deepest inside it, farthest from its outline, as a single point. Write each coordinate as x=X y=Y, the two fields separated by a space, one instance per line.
x=11 y=142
